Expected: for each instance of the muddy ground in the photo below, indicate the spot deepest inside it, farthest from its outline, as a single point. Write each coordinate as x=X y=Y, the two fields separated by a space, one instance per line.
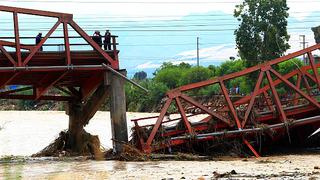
x=305 y=166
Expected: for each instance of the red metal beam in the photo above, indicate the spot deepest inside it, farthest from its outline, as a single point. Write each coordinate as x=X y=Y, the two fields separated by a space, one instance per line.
x=49 y=81
x=254 y=94
x=66 y=43
x=9 y=57
x=12 y=44
x=298 y=85
x=314 y=68
x=248 y=70
x=35 y=12
x=310 y=99
x=147 y=146
x=251 y=148
x=203 y=108
x=114 y=64
x=276 y=97
x=230 y=105
x=183 y=115
x=88 y=87
x=6 y=81
x=17 y=38
x=36 y=49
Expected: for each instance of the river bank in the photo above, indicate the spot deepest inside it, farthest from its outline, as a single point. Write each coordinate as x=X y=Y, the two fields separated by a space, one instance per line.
x=276 y=167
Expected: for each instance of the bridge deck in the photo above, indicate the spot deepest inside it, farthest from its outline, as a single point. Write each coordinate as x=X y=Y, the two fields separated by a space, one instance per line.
x=48 y=69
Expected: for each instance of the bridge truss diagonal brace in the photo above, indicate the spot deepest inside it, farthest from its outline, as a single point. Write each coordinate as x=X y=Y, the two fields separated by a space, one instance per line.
x=155 y=128
x=86 y=37
x=36 y=49
x=230 y=105
x=6 y=81
x=47 y=82
x=254 y=94
x=310 y=99
x=205 y=109
x=183 y=115
x=276 y=97
x=314 y=69
x=9 y=57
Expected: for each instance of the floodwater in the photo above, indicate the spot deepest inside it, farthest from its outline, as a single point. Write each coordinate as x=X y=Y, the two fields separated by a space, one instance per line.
x=26 y=132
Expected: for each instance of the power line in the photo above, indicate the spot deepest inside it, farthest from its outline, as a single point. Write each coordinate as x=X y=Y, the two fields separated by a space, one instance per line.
x=141 y=2
x=126 y=29
x=167 y=25
x=89 y=16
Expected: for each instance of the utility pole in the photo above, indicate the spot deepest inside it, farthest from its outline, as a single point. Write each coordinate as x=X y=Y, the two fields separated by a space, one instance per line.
x=303 y=46
x=198 y=51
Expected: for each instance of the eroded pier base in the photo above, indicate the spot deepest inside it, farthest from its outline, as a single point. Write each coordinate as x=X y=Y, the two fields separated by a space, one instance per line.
x=80 y=113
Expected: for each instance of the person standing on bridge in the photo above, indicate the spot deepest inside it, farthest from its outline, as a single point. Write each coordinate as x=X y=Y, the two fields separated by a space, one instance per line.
x=107 y=40
x=97 y=38
x=38 y=39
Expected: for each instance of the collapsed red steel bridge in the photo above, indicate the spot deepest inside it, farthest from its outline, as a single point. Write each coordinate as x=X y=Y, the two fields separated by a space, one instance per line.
x=237 y=116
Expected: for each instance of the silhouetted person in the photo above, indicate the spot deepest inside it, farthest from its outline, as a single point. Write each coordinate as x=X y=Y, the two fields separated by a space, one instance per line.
x=107 y=40
x=38 y=39
x=97 y=38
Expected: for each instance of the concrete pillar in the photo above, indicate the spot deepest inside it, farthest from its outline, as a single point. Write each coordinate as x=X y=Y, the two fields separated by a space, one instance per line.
x=118 y=111
x=75 y=126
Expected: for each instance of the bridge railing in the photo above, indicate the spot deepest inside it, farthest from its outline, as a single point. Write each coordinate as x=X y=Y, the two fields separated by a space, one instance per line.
x=30 y=43
x=69 y=25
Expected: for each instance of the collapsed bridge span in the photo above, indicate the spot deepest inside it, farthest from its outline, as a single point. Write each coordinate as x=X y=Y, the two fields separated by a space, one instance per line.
x=186 y=120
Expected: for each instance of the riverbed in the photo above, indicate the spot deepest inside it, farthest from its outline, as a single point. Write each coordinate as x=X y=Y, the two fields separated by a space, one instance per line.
x=26 y=132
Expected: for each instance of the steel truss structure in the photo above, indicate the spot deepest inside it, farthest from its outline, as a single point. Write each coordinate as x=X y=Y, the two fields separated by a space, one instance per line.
x=76 y=74
x=237 y=116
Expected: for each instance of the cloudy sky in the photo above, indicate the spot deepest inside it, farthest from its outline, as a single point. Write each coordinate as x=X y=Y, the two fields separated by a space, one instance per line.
x=153 y=31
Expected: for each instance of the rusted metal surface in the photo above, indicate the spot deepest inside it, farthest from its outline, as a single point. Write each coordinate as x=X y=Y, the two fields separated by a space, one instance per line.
x=42 y=71
x=236 y=118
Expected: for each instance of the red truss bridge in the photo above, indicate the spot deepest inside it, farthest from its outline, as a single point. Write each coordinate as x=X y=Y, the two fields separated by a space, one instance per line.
x=227 y=116
x=75 y=73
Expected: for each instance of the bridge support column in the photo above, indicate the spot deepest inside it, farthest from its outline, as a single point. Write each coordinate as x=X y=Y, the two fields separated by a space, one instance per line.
x=118 y=111
x=76 y=126
x=80 y=114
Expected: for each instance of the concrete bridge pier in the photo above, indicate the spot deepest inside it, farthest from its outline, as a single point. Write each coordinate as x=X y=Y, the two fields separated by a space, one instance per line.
x=80 y=113
x=118 y=111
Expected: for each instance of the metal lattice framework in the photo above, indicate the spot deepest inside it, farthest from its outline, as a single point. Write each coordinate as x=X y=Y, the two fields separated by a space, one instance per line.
x=237 y=117
x=76 y=74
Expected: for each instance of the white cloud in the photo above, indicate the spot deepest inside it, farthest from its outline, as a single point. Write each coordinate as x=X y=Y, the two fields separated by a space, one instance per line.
x=302 y=9
x=210 y=54
x=148 y=65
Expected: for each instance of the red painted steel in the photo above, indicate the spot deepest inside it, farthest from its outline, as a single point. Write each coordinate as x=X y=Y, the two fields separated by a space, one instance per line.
x=75 y=73
x=237 y=118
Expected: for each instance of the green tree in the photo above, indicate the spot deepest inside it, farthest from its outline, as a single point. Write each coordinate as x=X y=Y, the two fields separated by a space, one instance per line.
x=141 y=75
x=196 y=74
x=262 y=34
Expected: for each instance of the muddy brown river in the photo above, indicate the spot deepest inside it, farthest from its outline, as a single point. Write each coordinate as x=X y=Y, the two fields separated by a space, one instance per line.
x=24 y=133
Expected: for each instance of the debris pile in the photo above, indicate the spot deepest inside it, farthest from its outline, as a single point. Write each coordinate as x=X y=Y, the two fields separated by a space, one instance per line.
x=60 y=147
